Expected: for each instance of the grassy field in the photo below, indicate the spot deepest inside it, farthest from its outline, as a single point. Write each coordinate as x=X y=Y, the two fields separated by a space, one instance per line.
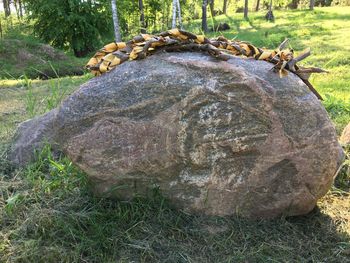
x=47 y=213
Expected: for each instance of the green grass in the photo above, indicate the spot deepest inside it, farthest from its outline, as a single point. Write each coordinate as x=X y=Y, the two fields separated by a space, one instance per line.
x=48 y=214
x=24 y=98
x=35 y=60
x=23 y=54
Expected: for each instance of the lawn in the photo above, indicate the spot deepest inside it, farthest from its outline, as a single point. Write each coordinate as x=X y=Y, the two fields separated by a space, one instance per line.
x=48 y=214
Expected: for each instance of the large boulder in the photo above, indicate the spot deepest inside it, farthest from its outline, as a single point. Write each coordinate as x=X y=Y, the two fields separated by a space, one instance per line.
x=216 y=137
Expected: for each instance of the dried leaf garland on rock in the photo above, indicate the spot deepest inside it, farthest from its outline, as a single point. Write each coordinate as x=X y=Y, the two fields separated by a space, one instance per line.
x=144 y=45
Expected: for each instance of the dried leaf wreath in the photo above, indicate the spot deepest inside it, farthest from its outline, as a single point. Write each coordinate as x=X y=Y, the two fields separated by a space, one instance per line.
x=144 y=45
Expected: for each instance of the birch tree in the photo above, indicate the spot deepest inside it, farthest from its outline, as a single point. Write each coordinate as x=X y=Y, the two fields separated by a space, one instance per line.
x=179 y=13
x=118 y=37
x=176 y=14
x=173 y=24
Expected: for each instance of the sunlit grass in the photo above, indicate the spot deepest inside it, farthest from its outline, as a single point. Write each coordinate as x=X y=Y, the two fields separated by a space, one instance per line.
x=21 y=99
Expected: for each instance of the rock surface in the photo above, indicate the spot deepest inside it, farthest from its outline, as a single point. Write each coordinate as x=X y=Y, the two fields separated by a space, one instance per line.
x=345 y=136
x=216 y=137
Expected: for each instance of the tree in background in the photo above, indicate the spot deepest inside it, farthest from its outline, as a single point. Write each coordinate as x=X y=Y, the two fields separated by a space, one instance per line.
x=312 y=4
x=294 y=4
x=73 y=24
x=179 y=13
x=7 y=9
x=257 y=5
x=117 y=35
x=19 y=8
x=246 y=9
x=142 y=17
x=84 y=25
x=224 y=7
x=211 y=6
x=1 y=33
x=176 y=14
x=269 y=16
x=173 y=24
x=204 y=16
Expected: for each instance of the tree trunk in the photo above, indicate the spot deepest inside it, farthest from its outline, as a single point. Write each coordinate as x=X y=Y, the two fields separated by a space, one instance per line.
x=164 y=14
x=20 y=8
x=312 y=4
x=173 y=24
x=211 y=5
x=294 y=4
x=246 y=9
x=16 y=8
x=7 y=8
x=257 y=5
x=224 y=8
x=115 y=21
x=0 y=28
x=167 y=16
x=269 y=16
x=142 y=17
x=179 y=13
x=204 y=16
x=79 y=50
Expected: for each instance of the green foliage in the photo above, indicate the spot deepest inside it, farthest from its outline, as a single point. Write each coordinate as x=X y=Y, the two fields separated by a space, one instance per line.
x=74 y=23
